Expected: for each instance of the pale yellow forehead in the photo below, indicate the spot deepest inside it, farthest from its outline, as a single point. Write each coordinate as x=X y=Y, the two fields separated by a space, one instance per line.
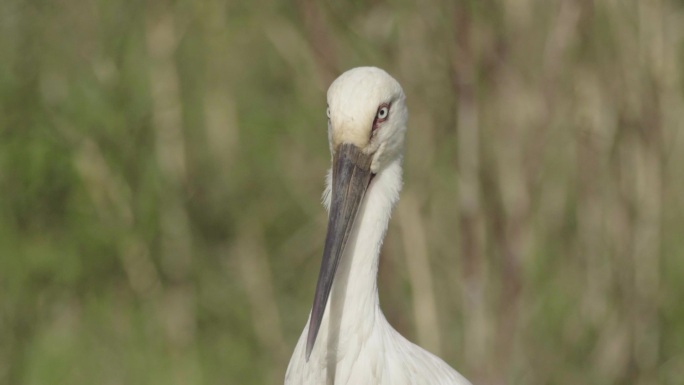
x=353 y=100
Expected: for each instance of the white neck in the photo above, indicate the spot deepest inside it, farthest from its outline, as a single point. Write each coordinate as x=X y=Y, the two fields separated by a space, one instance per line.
x=353 y=302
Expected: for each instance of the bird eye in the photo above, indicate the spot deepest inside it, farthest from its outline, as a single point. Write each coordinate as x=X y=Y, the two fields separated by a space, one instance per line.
x=380 y=116
x=383 y=112
x=327 y=112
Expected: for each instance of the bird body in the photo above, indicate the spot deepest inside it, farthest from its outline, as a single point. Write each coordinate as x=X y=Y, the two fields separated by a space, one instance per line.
x=347 y=339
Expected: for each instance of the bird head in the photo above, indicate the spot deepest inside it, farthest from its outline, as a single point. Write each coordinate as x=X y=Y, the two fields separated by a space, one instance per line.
x=367 y=109
x=366 y=127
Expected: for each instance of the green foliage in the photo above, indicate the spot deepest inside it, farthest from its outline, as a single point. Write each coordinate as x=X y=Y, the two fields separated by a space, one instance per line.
x=161 y=166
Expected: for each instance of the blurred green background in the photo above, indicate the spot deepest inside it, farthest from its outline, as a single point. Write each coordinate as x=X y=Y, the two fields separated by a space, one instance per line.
x=162 y=162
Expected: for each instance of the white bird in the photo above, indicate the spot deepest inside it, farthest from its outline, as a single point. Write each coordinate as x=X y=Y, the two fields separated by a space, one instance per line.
x=347 y=339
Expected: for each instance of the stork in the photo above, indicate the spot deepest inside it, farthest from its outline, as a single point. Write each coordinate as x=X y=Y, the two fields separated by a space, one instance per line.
x=347 y=339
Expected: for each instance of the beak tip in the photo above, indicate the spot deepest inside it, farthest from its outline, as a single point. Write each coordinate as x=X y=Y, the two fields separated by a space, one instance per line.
x=311 y=338
x=309 y=347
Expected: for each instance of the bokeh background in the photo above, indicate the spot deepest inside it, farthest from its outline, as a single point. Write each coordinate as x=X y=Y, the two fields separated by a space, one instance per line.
x=162 y=162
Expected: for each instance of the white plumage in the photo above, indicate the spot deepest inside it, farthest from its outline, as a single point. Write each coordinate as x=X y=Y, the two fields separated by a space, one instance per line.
x=355 y=344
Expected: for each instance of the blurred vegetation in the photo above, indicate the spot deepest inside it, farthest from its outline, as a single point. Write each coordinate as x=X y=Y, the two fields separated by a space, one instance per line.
x=161 y=166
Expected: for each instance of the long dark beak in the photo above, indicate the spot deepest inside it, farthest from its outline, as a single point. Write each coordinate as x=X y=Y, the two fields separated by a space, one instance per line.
x=351 y=177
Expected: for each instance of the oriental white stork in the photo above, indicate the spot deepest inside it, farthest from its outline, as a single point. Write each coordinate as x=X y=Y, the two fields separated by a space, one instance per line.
x=347 y=339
